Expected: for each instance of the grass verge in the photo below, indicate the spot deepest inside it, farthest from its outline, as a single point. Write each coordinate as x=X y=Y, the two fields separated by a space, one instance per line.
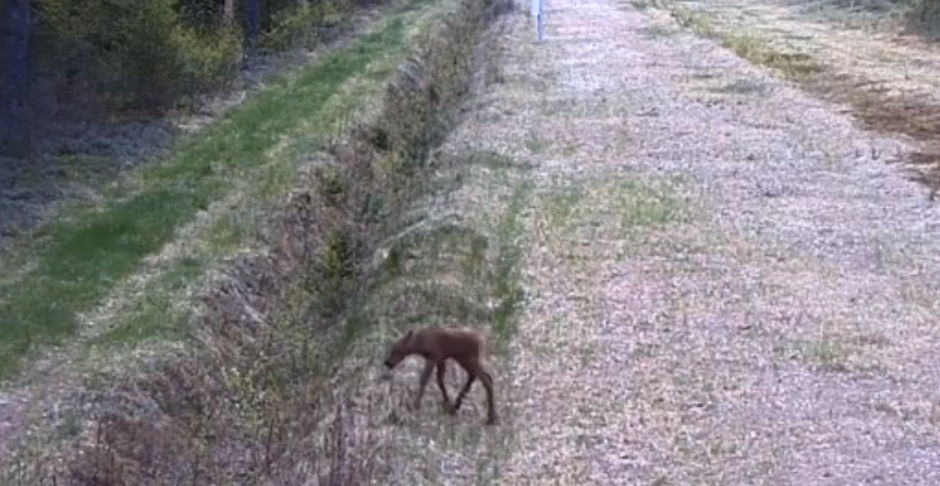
x=462 y=270
x=507 y=288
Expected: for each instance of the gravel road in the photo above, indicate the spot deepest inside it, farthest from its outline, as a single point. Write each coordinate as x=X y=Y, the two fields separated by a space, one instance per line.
x=728 y=284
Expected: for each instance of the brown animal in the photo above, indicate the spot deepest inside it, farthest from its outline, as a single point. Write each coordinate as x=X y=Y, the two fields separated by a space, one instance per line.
x=436 y=345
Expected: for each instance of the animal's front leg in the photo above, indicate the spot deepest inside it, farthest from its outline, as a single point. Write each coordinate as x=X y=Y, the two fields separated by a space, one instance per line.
x=425 y=377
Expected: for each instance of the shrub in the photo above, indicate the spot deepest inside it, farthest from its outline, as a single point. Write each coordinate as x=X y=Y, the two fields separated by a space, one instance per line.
x=206 y=61
x=139 y=53
x=925 y=12
x=306 y=25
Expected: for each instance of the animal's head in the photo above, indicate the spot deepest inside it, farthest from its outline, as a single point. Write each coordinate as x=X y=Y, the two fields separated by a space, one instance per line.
x=400 y=350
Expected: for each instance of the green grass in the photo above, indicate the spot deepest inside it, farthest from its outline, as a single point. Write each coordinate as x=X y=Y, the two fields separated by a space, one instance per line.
x=563 y=204
x=783 y=59
x=76 y=261
x=506 y=285
x=642 y=205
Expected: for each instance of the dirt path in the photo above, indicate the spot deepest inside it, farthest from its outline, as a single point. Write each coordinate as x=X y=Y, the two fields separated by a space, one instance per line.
x=725 y=287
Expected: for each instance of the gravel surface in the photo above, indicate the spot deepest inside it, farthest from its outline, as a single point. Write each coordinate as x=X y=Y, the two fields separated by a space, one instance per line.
x=728 y=287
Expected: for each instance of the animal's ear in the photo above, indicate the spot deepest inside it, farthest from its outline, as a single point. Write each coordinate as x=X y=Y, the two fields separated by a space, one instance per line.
x=408 y=335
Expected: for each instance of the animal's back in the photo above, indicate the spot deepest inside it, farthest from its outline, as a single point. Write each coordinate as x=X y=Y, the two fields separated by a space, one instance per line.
x=461 y=342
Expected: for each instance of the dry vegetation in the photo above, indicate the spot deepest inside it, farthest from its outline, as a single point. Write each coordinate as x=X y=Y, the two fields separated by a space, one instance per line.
x=253 y=401
x=870 y=56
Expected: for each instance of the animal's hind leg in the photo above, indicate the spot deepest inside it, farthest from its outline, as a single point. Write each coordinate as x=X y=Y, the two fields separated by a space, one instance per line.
x=441 y=371
x=463 y=391
x=475 y=369
x=487 y=380
x=472 y=371
x=425 y=377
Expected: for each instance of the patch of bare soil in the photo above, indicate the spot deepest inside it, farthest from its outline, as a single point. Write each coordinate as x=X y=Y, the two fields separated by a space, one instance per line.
x=871 y=61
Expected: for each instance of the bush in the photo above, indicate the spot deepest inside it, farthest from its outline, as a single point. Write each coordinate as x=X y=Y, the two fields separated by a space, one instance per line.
x=925 y=12
x=306 y=25
x=206 y=61
x=139 y=53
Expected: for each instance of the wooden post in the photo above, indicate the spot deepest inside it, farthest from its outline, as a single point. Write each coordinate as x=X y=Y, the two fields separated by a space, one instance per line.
x=228 y=13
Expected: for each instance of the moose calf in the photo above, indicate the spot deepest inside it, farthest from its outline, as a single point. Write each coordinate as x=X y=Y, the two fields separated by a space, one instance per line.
x=436 y=345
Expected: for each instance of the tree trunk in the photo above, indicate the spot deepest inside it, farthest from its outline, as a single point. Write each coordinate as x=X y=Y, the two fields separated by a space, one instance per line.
x=14 y=85
x=254 y=21
x=228 y=13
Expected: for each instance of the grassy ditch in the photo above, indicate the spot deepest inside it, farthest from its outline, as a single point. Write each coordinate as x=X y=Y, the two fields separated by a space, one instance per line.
x=74 y=263
x=249 y=402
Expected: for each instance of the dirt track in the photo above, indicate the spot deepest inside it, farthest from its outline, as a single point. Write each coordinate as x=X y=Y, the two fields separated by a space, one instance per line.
x=728 y=284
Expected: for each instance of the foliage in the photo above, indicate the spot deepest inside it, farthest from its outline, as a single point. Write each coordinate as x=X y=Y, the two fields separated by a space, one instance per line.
x=139 y=53
x=151 y=56
x=925 y=12
x=306 y=25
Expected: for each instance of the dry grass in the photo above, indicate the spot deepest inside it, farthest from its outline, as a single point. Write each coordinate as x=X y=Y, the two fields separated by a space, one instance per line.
x=792 y=65
x=807 y=56
x=249 y=403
